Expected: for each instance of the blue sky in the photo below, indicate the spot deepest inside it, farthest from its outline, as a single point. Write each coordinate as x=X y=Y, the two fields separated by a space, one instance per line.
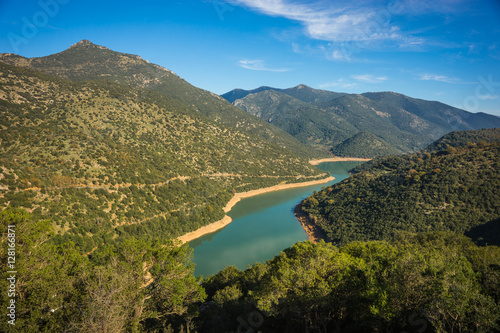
x=445 y=50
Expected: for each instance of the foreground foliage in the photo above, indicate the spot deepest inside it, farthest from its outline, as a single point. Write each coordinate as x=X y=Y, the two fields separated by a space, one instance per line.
x=433 y=282
x=131 y=286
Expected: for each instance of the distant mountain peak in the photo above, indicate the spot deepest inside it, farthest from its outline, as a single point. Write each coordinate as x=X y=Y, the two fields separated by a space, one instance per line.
x=87 y=43
x=302 y=86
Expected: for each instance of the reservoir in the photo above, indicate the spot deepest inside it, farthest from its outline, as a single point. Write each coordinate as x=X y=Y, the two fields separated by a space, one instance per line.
x=262 y=227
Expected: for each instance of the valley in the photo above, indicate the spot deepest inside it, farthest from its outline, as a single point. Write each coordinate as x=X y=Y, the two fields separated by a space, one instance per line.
x=175 y=209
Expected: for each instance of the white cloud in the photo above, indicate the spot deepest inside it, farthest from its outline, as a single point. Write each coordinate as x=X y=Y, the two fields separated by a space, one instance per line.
x=368 y=78
x=341 y=55
x=259 y=65
x=430 y=6
x=438 y=78
x=340 y=83
x=343 y=22
x=488 y=96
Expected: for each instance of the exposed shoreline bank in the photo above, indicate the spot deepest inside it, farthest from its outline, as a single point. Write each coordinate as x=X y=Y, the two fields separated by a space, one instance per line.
x=235 y=199
x=339 y=159
x=314 y=233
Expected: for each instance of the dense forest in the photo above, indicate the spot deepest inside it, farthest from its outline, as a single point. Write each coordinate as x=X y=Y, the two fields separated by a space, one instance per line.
x=462 y=138
x=452 y=190
x=431 y=282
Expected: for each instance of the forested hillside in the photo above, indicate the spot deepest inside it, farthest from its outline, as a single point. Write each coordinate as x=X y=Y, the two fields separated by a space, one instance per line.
x=365 y=145
x=453 y=190
x=300 y=92
x=331 y=122
x=102 y=159
x=462 y=138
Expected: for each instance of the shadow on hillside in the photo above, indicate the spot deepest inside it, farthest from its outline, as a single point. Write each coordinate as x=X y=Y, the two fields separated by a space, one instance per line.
x=486 y=234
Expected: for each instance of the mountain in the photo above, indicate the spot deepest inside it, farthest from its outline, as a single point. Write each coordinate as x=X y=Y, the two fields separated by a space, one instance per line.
x=102 y=159
x=86 y=61
x=438 y=113
x=306 y=122
x=455 y=190
x=324 y=120
x=300 y=92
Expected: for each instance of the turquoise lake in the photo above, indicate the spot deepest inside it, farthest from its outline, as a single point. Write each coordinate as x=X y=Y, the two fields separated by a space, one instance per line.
x=262 y=227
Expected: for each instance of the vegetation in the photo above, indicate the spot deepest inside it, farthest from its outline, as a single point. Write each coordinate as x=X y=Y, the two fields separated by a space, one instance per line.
x=388 y=123
x=85 y=61
x=431 y=282
x=130 y=286
x=300 y=92
x=102 y=159
x=453 y=190
x=462 y=138
x=364 y=144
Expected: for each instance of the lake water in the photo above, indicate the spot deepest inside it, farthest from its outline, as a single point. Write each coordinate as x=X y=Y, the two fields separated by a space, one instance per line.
x=262 y=226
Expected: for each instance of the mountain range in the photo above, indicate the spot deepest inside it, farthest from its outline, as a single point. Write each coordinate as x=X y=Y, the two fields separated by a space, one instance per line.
x=106 y=144
x=331 y=122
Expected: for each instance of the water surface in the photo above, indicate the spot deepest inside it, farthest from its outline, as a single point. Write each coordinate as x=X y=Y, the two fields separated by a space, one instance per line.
x=262 y=226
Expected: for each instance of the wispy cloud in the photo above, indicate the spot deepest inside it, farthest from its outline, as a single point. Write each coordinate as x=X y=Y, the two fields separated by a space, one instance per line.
x=438 y=78
x=343 y=22
x=259 y=65
x=340 y=83
x=368 y=78
x=431 y=6
x=488 y=96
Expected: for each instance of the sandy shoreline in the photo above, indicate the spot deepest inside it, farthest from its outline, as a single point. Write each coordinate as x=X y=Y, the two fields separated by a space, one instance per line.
x=235 y=199
x=339 y=159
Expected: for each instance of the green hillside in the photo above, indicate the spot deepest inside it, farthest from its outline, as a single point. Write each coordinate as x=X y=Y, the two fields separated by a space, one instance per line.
x=462 y=138
x=324 y=120
x=302 y=120
x=102 y=159
x=438 y=113
x=454 y=190
x=85 y=61
x=364 y=144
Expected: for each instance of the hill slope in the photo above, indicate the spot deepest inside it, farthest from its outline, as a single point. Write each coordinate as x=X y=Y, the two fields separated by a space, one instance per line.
x=454 y=190
x=85 y=61
x=324 y=120
x=364 y=144
x=103 y=159
x=462 y=138
x=305 y=122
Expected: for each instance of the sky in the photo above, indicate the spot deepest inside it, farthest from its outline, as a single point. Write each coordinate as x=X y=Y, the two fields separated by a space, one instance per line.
x=444 y=50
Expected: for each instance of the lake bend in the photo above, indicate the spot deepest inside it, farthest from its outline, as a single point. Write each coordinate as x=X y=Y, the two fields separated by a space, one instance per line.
x=262 y=226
